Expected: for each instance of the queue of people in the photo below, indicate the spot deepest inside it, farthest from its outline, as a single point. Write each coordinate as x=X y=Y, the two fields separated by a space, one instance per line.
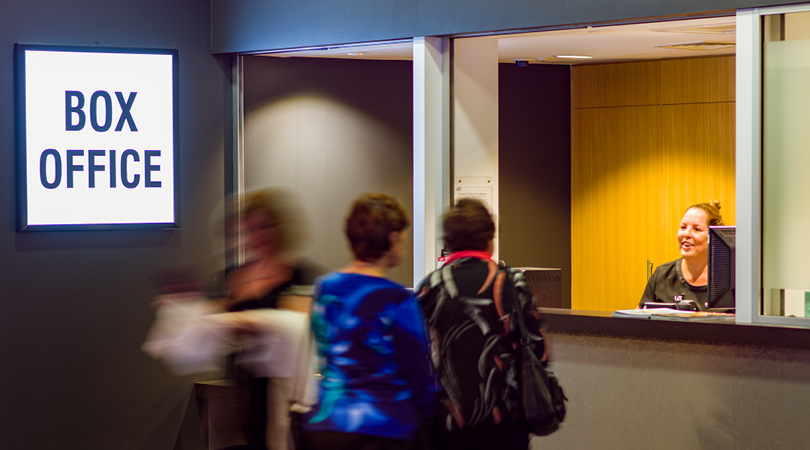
x=436 y=368
x=397 y=370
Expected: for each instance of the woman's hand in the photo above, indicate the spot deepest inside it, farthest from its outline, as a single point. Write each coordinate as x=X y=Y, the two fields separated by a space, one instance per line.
x=180 y=297
x=298 y=303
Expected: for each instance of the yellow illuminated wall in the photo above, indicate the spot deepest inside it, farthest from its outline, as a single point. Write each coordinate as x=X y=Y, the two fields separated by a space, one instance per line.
x=648 y=140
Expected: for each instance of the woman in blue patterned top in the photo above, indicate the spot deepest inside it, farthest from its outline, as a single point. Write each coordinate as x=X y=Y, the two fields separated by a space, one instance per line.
x=377 y=384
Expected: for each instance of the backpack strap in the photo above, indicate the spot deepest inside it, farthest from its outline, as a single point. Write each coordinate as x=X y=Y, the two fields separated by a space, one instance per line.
x=517 y=307
x=449 y=282
x=441 y=283
x=516 y=282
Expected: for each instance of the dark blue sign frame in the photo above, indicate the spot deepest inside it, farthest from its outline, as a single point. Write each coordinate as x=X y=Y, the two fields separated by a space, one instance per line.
x=20 y=137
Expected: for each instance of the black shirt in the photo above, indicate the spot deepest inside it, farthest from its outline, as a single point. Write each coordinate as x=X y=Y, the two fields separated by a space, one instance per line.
x=668 y=285
x=304 y=274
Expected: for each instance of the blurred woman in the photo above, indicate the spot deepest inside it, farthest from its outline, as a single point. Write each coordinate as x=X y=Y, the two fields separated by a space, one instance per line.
x=258 y=321
x=686 y=278
x=272 y=276
x=273 y=233
x=468 y=305
x=376 y=385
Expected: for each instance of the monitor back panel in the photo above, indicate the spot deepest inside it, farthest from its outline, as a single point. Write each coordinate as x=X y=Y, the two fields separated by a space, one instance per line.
x=545 y=284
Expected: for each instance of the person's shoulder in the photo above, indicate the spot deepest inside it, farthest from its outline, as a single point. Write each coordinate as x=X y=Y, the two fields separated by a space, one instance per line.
x=329 y=276
x=668 y=265
x=428 y=282
x=371 y=283
x=385 y=290
x=385 y=283
x=667 y=270
x=329 y=279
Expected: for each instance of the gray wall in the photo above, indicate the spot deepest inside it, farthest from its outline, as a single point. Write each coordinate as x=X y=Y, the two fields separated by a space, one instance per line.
x=76 y=305
x=534 y=161
x=643 y=394
x=331 y=129
x=252 y=25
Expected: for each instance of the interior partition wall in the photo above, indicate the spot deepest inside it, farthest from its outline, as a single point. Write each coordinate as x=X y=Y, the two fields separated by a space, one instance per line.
x=328 y=130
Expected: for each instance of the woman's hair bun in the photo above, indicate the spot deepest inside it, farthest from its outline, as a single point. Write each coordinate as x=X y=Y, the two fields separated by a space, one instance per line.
x=712 y=210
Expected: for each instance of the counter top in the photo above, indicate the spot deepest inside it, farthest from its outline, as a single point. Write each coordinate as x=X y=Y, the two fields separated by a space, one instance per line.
x=602 y=324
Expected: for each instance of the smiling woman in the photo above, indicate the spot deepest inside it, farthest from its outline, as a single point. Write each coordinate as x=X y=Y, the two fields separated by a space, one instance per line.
x=684 y=280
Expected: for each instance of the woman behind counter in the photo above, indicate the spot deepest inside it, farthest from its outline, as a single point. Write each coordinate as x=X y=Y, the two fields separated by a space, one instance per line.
x=686 y=278
x=376 y=385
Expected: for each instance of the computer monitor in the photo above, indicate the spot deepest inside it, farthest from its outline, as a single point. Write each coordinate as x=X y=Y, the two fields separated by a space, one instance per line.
x=721 y=269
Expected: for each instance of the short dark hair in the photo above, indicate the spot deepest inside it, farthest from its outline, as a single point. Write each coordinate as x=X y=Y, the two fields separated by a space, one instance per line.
x=468 y=226
x=712 y=210
x=372 y=218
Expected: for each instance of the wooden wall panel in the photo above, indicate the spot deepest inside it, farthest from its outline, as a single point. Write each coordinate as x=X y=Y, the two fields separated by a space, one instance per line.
x=621 y=84
x=634 y=169
x=698 y=80
x=699 y=163
x=615 y=185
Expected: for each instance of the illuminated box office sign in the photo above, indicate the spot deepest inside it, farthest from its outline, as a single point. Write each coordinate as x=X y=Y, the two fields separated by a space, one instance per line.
x=96 y=137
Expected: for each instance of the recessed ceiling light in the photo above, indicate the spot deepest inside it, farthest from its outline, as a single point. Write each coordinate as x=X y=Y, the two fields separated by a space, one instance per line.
x=573 y=56
x=697 y=45
x=720 y=28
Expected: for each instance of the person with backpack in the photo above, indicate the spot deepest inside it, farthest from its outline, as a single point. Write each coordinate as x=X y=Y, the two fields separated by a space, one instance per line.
x=468 y=306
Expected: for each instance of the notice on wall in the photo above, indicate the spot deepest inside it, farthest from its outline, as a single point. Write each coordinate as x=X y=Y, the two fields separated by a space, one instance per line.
x=478 y=188
x=97 y=140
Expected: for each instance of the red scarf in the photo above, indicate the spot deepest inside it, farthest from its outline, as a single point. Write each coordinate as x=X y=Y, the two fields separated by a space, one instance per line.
x=480 y=254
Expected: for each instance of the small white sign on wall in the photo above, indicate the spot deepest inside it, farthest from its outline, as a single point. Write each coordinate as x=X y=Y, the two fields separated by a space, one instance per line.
x=478 y=188
x=96 y=137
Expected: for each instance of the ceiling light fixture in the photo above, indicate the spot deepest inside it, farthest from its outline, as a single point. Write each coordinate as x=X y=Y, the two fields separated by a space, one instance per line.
x=719 y=28
x=356 y=54
x=697 y=45
x=573 y=56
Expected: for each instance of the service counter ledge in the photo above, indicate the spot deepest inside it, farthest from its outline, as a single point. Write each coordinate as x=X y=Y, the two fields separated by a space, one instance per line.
x=600 y=323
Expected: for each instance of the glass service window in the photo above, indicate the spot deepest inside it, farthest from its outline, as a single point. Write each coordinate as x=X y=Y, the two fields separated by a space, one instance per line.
x=786 y=165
